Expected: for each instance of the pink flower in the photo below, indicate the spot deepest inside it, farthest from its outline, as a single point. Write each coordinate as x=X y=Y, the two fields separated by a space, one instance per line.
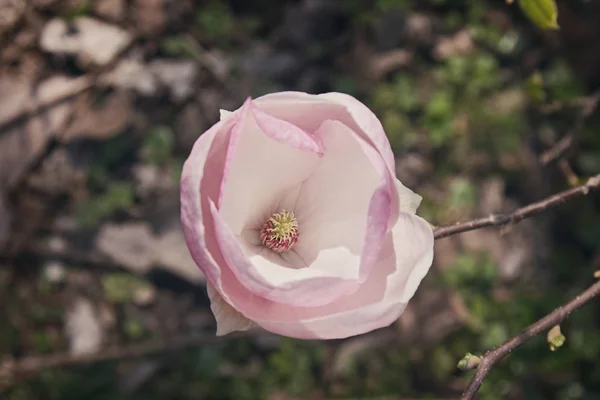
x=291 y=208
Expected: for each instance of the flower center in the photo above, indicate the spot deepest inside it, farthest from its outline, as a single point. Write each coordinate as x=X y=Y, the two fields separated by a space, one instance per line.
x=280 y=232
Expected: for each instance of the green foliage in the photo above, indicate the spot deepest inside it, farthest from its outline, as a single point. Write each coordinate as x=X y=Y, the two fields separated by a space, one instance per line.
x=120 y=287
x=543 y=13
x=117 y=196
x=157 y=147
x=175 y=46
x=216 y=19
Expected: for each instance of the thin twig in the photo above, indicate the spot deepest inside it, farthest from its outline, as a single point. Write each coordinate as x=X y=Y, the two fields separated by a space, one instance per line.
x=489 y=359
x=563 y=145
x=521 y=213
x=15 y=370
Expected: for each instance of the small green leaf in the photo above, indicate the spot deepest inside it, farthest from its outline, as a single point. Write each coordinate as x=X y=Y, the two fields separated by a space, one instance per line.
x=543 y=13
x=555 y=338
x=469 y=361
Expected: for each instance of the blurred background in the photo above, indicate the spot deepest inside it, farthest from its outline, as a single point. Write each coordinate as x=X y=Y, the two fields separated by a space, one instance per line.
x=101 y=101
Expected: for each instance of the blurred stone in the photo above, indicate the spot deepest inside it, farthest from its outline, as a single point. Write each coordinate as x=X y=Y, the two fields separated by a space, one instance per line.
x=83 y=328
x=91 y=41
x=177 y=76
x=144 y=295
x=131 y=244
x=57 y=244
x=174 y=255
x=131 y=73
x=54 y=272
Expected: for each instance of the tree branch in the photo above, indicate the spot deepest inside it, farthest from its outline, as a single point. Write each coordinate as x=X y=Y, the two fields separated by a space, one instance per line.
x=521 y=213
x=489 y=359
x=561 y=147
x=11 y=370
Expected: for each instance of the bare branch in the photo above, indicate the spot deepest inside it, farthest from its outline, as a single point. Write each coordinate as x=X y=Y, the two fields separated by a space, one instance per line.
x=521 y=213
x=561 y=147
x=489 y=359
x=15 y=370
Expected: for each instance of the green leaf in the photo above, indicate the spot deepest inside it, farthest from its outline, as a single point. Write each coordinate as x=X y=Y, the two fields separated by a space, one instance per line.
x=543 y=13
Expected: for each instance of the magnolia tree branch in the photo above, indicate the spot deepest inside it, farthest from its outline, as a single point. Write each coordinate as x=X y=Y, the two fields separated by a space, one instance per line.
x=12 y=371
x=489 y=359
x=521 y=213
x=560 y=148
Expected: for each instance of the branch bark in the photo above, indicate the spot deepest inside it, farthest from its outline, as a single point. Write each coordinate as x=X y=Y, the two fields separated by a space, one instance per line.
x=521 y=213
x=489 y=359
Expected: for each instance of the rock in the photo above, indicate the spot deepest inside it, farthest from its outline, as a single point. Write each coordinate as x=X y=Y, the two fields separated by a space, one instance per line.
x=174 y=256
x=144 y=295
x=132 y=74
x=131 y=244
x=54 y=272
x=83 y=328
x=93 y=41
x=177 y=76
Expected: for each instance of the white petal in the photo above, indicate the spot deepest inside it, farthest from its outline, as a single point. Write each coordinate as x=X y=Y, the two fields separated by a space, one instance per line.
x=228 y=319
x=224 y=114
x=409 y=200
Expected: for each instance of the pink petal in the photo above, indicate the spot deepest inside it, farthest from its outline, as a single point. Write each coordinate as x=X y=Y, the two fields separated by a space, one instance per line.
x=266 y=158
x=406 y=257
x=309 y=111
x=197 y=188
x=277 y=281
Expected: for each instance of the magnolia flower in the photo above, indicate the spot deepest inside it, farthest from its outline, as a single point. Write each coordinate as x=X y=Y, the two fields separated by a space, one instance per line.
x=291 y=207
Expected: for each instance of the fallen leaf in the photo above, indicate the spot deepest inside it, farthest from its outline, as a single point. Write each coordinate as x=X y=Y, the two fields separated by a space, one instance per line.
x=174 y=256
